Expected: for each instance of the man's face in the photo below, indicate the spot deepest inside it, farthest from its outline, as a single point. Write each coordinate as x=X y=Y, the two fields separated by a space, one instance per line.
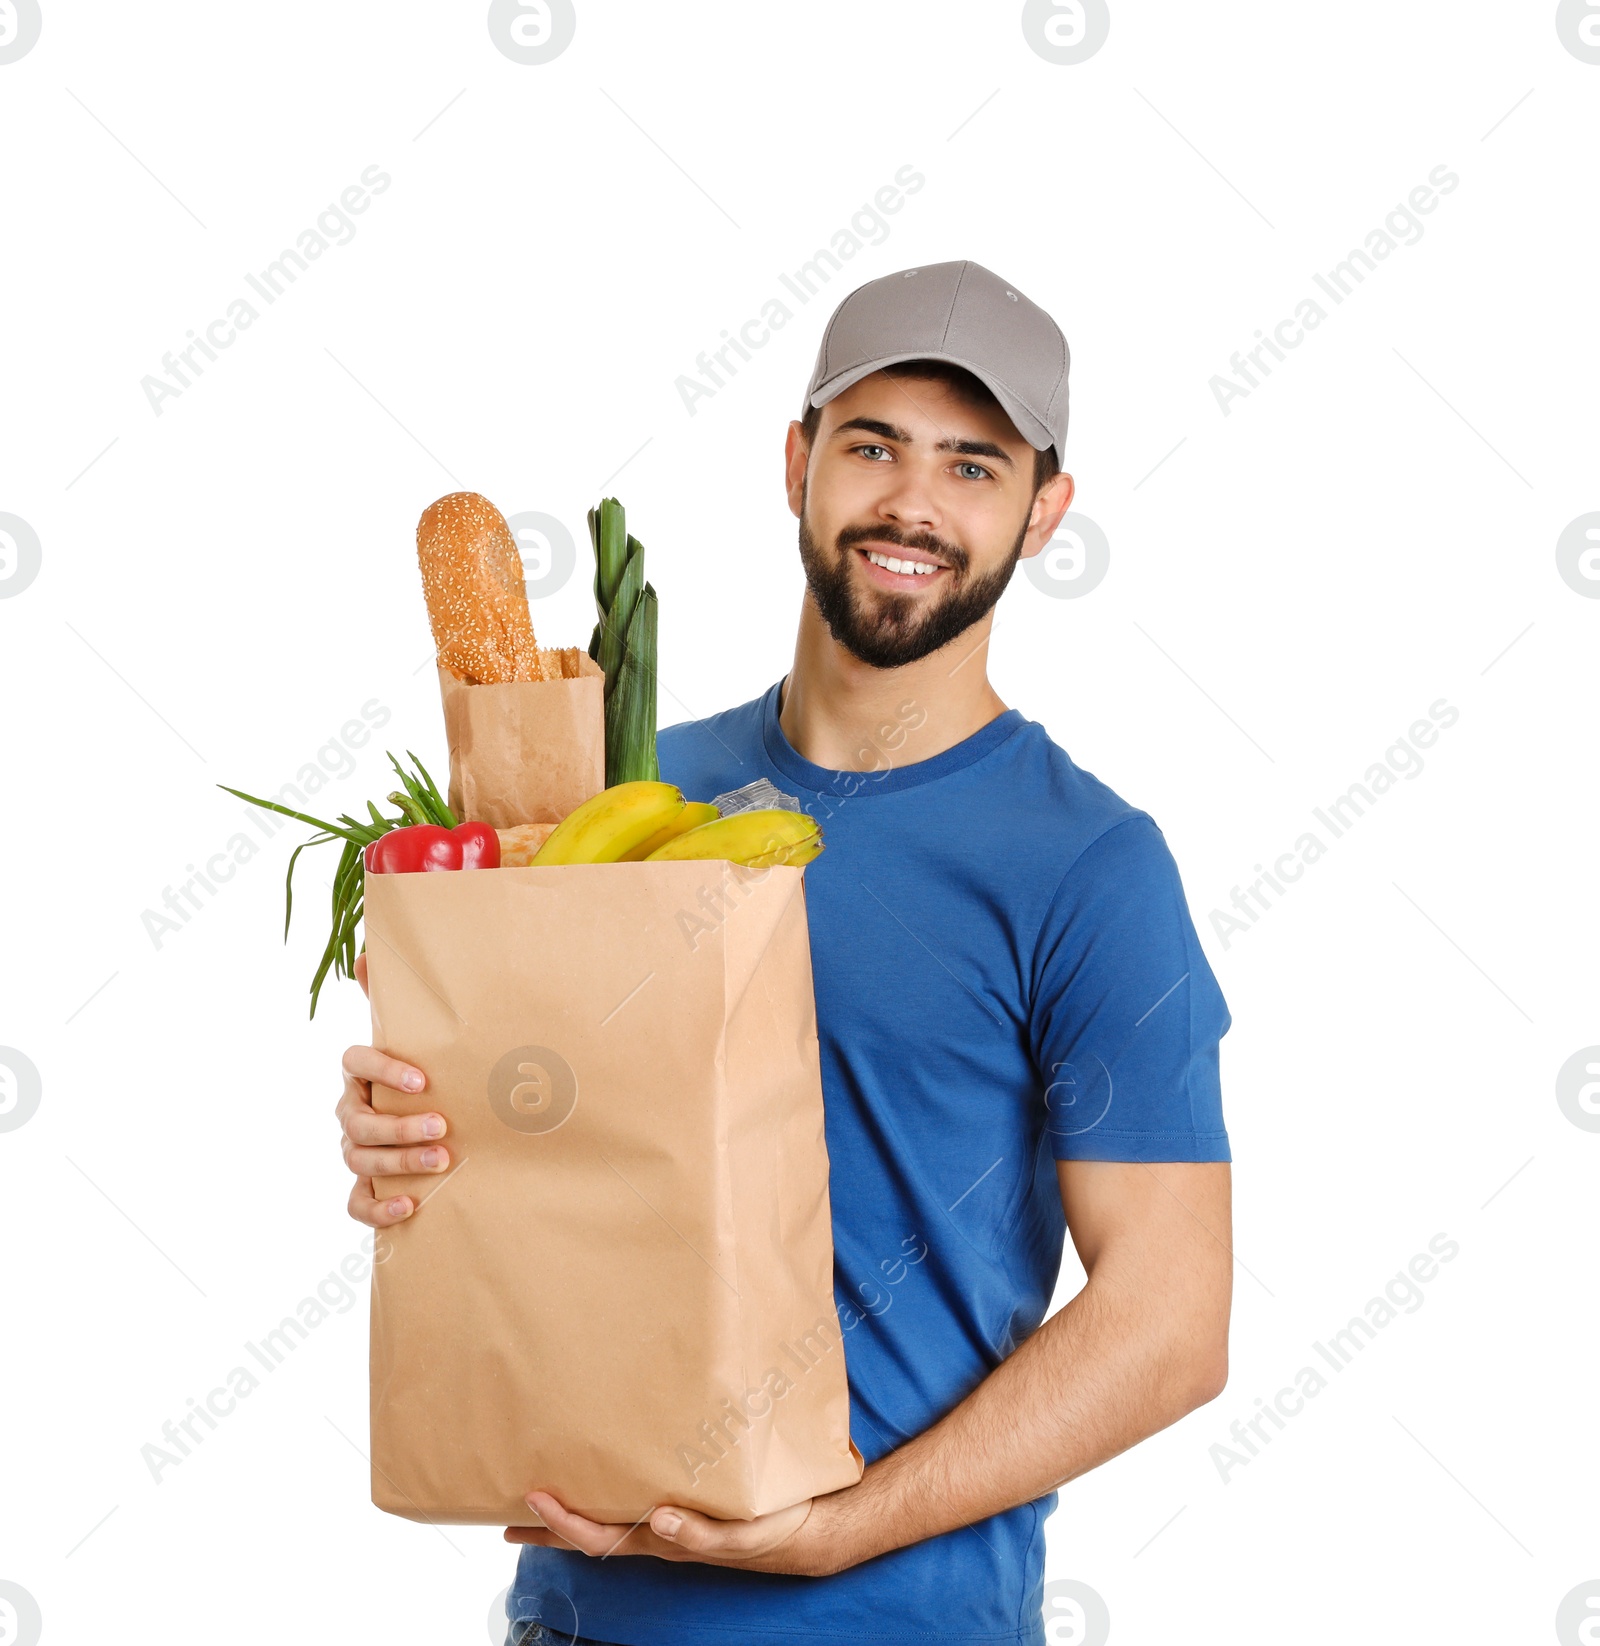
x=905 y=469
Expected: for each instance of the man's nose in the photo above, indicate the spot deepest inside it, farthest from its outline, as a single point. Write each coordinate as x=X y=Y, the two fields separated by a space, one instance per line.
x=909 y=501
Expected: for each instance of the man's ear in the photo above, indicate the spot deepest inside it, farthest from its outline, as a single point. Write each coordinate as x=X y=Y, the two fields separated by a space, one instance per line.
x=796 y=454
x=1050 y=505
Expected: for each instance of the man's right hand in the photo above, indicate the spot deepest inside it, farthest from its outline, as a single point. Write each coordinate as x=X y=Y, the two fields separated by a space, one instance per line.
x=376 y=1145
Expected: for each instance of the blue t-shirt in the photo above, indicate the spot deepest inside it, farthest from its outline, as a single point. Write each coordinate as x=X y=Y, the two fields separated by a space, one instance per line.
x=1006 y=975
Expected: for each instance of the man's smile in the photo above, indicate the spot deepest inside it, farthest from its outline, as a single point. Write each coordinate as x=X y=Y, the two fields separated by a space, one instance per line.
x=892 y=567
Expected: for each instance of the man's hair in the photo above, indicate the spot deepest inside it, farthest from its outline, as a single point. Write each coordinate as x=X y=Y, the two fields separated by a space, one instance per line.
x=960 y=381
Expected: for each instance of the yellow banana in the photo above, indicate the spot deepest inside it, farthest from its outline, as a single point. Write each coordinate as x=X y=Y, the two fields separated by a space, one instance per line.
x=790 y=857
x=759 y=838
x=694 y=813
x=611 y=823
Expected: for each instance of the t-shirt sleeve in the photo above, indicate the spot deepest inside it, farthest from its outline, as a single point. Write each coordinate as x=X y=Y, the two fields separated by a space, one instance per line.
x=1126 y=1013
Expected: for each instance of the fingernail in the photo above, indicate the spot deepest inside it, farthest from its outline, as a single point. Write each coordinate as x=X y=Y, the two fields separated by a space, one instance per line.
x=412 y=1081
x=432 y=1157
x=667 y=1524
x=397 y=1208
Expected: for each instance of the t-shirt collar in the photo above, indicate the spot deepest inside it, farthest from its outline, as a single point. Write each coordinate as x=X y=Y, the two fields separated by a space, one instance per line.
x=888 y=778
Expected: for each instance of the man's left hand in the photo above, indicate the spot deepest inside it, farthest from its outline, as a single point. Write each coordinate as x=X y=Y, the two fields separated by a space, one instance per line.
x=796 y=1540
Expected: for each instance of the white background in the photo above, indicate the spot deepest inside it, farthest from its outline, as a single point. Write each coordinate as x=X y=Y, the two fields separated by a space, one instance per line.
x=1290 y=586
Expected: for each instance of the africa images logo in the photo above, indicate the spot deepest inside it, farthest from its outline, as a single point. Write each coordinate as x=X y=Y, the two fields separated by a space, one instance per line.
x=1066 y=31
x=1074 y=562
x=20 y=554
x=1578 y=28
x=1403 y=759
x=20 y=23
x=1577 y=1088
x=20 y=1091
x=1577 y=555
x=533 y=1089
x=1074 y=1614
x=532 y=31
x=20 y=1622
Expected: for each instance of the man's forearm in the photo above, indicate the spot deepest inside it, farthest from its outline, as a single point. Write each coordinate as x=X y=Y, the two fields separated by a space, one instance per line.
x=1099 y=1376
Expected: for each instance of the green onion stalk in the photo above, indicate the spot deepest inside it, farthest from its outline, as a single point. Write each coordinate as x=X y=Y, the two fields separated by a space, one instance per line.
x=418 y=801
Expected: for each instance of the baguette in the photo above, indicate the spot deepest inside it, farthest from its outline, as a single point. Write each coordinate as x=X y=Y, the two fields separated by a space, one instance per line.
x=477 y=603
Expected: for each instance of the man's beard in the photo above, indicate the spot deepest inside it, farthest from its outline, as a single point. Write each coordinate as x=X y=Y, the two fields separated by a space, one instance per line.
x=886 y=630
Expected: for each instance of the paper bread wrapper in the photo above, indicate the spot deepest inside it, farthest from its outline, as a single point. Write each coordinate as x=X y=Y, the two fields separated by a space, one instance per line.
x=529 y=751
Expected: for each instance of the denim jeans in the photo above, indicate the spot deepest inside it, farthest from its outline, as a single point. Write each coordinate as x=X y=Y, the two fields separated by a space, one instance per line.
x=536 y=1634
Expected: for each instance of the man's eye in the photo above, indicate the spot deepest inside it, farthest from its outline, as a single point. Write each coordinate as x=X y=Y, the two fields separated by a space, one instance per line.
x=972 y=471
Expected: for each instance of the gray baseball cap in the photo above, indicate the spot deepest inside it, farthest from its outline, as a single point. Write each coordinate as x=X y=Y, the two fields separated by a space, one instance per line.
x=962 y=313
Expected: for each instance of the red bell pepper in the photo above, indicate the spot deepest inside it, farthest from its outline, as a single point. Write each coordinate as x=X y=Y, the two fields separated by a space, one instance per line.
x=428 y=846
x=480 y=845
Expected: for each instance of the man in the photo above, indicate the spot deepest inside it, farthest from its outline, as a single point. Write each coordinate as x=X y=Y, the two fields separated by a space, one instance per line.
x=1018 y=1031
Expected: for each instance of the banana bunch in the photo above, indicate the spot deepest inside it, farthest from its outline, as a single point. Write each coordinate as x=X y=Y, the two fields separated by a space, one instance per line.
x=766 y=839
x=651 y=822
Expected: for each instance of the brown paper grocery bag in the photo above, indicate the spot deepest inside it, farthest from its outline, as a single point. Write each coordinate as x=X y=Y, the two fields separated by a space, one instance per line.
x=529 y=751
x=622 y=1288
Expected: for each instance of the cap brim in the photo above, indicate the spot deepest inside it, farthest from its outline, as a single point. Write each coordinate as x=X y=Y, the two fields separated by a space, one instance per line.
x=1023 y=420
